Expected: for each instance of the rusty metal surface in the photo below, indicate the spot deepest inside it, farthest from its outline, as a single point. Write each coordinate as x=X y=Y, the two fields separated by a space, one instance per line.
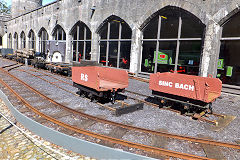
x=117 y=132
x=161 y=142
x=213 y=152
x=204 y=89
x=100 y=78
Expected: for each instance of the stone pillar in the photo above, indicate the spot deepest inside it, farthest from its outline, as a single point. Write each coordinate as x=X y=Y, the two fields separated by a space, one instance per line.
x=211 y=49
x=68 y=56
x=27 y=42
x=94 y=47
x=135 y=50
x=37 y=44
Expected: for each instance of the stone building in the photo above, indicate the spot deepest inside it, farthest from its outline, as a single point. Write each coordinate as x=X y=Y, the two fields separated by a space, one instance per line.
x=198 y=37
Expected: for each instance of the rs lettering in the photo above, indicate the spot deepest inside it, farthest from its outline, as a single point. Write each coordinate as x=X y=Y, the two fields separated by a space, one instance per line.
x=84 y=77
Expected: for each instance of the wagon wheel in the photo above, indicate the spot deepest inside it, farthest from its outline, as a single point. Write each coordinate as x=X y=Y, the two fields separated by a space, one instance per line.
x=80 y=93
x=113 y=96
x=90 y=96
x=210 y=108
x=83 y=94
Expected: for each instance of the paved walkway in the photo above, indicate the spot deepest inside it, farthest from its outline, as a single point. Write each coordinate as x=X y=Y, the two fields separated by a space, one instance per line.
x=14 y=144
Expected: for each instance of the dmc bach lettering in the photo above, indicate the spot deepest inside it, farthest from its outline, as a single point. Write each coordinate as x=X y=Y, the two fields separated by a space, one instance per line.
x=176 y=85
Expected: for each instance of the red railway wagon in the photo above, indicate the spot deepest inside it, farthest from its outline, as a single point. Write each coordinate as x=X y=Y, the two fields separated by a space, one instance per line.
x=187 y=89
x=99 y=81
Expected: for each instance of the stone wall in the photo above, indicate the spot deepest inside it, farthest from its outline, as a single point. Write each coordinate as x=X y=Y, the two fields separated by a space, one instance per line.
x=136 y=13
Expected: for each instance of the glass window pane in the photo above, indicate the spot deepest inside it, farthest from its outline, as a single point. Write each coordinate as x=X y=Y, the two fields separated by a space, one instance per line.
x=80 y=50
x=74 y=50
x=114 y=29
x=229 y=63
x=75 y=34
x=81 y=32
x=60 y=34
x=169 y=24
x=103 y=31
x=166 y=56
x=64 y=36
x=103 y=49
x=126 y=31
x=113 y=53
x=189 y=57
x=191 y=27
x=125 y=50
x=147 y=56
x=150 y=31
x=232 y=27
x=88 y=50
x=89 y=34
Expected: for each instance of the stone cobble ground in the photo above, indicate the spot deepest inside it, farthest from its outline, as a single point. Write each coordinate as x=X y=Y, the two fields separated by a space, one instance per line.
x=18 y=145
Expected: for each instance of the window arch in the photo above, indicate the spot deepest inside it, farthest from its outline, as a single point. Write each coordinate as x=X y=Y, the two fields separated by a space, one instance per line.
x=115 y=43
x=229 y=59
x=59 y=33
x=23 y=40
x=31 y=39
x=43 y=38
x=15 y=40
x=174 y=36
x=81 y=42
x=10 y=40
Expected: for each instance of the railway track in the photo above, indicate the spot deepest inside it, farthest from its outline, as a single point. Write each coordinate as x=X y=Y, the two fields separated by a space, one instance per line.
x=199 y=117
x=145 y=148
x=168 y=135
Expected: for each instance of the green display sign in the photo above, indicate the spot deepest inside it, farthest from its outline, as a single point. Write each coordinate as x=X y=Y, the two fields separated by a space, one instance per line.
x=220 y=64
x=162 y=58
x=229 y=71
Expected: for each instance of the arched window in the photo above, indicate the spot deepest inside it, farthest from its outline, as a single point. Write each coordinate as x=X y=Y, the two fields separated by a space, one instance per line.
x=115 y=43
x=31 y=39
x=23 y=40
x=228 y=69
x=59 y=33
x=10 y=40
x=81 y=42
x=43 y=38
x=174 y=36
x=15 y=41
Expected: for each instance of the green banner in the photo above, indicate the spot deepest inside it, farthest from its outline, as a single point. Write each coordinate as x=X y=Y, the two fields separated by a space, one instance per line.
x=220 y=64
x=229 y=71
x=162 y=58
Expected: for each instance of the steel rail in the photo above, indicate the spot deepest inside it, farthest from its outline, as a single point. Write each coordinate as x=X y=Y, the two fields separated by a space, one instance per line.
x=15 y=67
x=10 y=65
x=151 y=149
x=53 y=83
x=139 y=79
x=53 y=77
x=165 y=134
